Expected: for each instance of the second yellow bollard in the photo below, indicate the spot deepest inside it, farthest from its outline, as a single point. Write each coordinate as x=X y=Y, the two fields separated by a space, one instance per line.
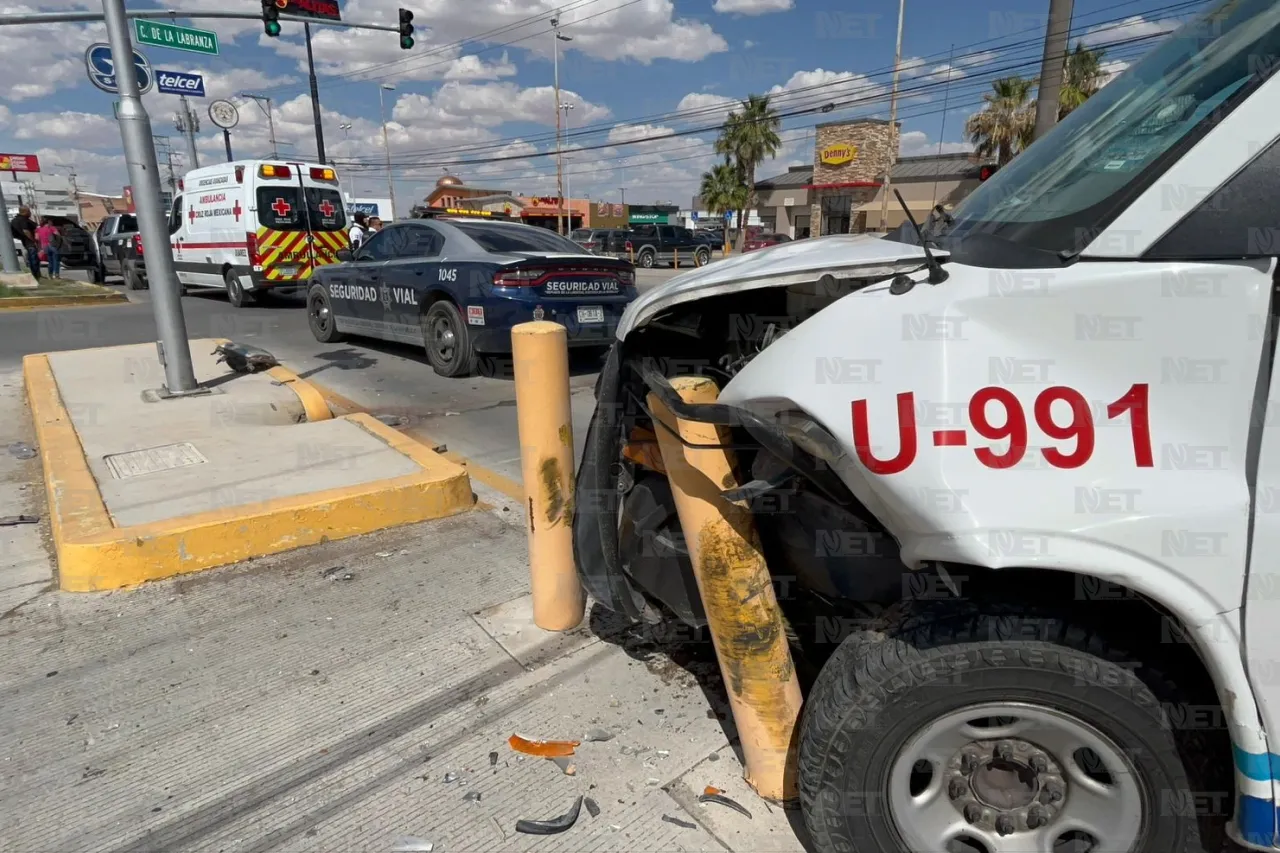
x=540 y=353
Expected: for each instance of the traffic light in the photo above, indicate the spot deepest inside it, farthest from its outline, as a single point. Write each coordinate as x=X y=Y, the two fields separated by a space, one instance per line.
x=406 y=29
x=271 y=18
x=987 y=171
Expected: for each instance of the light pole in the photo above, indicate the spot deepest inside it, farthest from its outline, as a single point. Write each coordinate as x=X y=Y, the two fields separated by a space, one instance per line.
x=382 y=110
x=271 y=122
x=555 y=59
x=893 y=122
x=1052 y=66
x=567 y=183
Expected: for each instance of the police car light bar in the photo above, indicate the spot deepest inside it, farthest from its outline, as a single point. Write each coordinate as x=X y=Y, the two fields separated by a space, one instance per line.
x=460 y=213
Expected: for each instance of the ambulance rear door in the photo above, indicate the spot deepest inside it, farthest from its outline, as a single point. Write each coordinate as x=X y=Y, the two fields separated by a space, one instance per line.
x=325 y=214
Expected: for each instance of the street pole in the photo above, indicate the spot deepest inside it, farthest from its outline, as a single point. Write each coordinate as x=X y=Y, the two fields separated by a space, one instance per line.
x=226 y=140
x=1052 y=65
x=187 y=124
x=271 y=124
x=315 y=96
x=568 y=184
x=893 y=122
x=8 y=257
x=386 y=144
x=140 y=156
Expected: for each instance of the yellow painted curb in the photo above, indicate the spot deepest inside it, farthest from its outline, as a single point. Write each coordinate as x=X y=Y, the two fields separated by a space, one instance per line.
x=313 y=402
x=26 y=303
x=93 y=555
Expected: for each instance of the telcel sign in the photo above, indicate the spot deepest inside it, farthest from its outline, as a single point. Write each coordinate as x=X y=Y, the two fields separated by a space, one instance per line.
x=838 y=155
x=179 y=83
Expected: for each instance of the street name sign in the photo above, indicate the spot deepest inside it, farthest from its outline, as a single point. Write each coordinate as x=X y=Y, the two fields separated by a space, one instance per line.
x=179 y=83
x=19 y=163
x=101 y=68
x=178 y=38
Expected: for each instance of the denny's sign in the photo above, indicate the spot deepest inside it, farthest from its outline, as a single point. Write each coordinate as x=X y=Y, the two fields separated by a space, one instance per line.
x=837 y=155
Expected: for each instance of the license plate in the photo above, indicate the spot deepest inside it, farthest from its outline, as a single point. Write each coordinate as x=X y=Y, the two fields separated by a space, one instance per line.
x=288 y=270
x=591 y=314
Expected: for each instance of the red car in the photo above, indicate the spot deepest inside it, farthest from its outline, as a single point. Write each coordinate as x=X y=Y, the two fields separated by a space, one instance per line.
x=764 y=241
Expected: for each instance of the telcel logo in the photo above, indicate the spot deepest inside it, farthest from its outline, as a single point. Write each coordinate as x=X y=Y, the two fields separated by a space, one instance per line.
x=173 y=81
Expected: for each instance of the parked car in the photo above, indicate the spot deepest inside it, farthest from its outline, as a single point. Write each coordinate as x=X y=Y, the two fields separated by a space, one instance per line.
x=764 y=241
x=78 y=251
x=119 y=249
x=456 y=286
x=602 y=241
x=651 y=245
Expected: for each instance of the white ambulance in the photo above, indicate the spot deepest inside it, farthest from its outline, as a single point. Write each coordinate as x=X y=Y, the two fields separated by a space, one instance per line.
x=253 y=227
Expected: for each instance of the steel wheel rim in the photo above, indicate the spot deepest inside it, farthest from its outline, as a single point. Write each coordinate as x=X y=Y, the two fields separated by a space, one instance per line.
x=443 y=338
x=1020 y=784
x=320 y=313
x=233 y=289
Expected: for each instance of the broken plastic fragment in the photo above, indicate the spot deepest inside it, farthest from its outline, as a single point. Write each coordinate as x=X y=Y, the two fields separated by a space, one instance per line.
x=543 y=748
x=471 y=796
x=598 y=736
x=493 y=759
x=714 y=795
x=554 y=825
x=409 y=844
x=566 y=766
x=383 y=554
x=337 y=573
x=592 y=808
x=450 y=777
x=22 y=450
x=678 y=822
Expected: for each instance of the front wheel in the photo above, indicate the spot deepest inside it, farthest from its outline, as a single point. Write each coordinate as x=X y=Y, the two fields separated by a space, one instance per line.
x=982 y=729
x=702 y=257
x=447 y=340
x=320 y=317
x=236 y=294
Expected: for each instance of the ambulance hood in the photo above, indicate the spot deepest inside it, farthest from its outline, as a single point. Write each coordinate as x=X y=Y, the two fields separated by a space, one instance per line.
x=842 y=256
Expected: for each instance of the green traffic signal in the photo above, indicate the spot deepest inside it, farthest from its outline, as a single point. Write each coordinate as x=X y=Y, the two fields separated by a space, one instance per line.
x=406 y=42
x=272 y=28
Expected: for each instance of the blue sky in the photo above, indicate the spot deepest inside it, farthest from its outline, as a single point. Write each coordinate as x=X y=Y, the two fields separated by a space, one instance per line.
x=474 y=95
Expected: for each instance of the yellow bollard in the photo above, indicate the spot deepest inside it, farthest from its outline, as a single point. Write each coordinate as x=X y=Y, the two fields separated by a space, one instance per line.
x=737 y=593
x=540 y=353
x=676 y=257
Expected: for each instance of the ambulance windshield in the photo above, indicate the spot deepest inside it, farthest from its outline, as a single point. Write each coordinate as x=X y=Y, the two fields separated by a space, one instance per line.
x=1062 y=190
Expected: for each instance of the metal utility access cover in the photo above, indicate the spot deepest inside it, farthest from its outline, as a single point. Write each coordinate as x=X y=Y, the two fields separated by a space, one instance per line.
x=135 y=463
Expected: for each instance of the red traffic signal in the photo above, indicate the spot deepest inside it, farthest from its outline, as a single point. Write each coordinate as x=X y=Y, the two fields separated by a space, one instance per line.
x=986 y=172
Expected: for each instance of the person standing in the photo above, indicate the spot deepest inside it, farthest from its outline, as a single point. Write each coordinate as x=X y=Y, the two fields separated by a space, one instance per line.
x=24 y=229
x=357 y=232
x=375 y=224
x=50 y=241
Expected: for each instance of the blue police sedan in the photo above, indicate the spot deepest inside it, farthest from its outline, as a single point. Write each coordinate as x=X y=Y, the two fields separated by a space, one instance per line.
x=456 y=285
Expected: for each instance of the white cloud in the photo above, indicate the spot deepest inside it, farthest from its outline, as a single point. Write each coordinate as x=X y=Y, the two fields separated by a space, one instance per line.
x=705 y=108
x=819 y=86
x=1132 y=27
x=1110 y=68
x=748 y=44
x=916 y=143
x=491 y=104
x=87 y=128
x=630 y=132
x=972 y=60
x=752 y=7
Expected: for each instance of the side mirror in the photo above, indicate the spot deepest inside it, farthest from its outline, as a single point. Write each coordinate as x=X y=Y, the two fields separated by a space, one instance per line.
x=344 y=255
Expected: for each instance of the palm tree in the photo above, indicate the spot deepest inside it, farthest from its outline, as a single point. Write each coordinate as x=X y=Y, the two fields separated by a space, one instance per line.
x=1082 y=77
x=723 y=190
x=1005 y=124
x=748 y=137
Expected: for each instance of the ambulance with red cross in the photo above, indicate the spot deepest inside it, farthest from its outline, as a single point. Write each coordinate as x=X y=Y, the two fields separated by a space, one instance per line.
x=256 y=227
x=1015 y=473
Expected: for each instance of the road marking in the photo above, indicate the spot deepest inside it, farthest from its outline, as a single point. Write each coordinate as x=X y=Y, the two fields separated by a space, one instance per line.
x=498 y=482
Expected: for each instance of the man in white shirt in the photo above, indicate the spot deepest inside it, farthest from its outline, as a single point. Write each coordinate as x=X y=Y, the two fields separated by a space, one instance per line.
x=358 y=231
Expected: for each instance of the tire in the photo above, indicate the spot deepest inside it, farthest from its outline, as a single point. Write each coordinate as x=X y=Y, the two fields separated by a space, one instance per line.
x=132 y=280
x=646 y=260
x=702 y=257
x=882 y=689
x=447 y=340
x=236 y=294
x=320 y=316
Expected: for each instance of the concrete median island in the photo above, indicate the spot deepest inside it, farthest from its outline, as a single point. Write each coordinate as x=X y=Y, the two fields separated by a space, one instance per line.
x=54 y=293
x=142 y=488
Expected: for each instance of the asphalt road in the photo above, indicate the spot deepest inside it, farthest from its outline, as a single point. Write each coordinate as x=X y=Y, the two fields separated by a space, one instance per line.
x=474 y=416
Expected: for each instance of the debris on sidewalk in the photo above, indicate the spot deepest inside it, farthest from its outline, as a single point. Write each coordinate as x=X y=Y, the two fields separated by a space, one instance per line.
x=392 y=420
x=337 y=573
x=450 y=778
x=543 y=748
x=598 y=736
x=244 y=358
x=382 y=554
x=22 y=450
x=474 y=797
x=566 y=766
x=502 y=834
x=409 y=844
x=715 y=795
x=493 y=759
x=592 y=808
x=11 y=520
x=678 y=822
x=554 y=825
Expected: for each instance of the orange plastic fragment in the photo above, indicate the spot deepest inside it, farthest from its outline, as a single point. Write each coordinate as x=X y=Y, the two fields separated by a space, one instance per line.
x=711 y=792
x=543 y=748
x=642 y=449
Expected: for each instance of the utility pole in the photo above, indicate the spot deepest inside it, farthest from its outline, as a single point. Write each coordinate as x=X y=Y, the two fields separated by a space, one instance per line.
x=567 y=183
x=893 y=121
x=315 y=96
x=1052 y=66
x=555 y=59
x=271 y=124
x=75 y=187
x=622 y=191
x=164 y=151
x=187 y=123
x=139 y=151
x=8 y=257
x=386 y=144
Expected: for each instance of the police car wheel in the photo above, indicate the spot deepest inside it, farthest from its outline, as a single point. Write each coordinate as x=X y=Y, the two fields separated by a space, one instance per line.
x=447 y=340
x=236 y=294
x=320 y=317
x=978 y=727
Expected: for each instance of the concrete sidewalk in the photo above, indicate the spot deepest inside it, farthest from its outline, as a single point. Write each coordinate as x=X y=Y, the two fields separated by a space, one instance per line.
x=143 y=488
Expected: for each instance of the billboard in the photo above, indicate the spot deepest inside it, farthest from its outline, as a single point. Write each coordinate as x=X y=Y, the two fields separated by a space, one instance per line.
x=19 y=163
x=324 y=10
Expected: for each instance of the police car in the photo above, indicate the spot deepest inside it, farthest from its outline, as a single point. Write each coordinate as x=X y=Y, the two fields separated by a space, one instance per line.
x=456 y=281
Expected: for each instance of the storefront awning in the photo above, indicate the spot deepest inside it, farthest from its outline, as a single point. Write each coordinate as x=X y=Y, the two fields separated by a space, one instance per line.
x=847 y=185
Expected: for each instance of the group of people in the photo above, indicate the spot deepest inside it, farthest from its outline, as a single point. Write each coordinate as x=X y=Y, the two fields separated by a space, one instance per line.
x=362 y=228
x=40 y=243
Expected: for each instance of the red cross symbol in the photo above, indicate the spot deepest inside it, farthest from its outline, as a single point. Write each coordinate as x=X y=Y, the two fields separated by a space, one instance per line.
x=191 y=215
x=236 y=210
x=281 y=207
x=326 y=209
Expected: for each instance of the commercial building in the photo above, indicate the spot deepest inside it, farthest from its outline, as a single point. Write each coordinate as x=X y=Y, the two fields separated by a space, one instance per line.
x=542 y=211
